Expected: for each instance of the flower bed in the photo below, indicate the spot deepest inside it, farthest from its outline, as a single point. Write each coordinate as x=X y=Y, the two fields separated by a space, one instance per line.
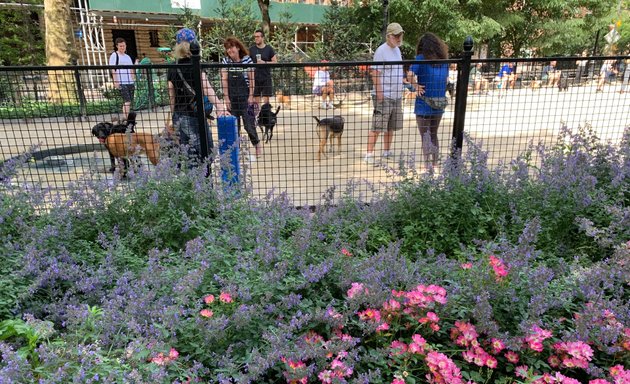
x=513 y=275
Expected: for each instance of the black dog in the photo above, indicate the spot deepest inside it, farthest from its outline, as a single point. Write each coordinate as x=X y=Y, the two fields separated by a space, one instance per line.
x=563 y=83
x=267 y=119
x=103 y=130
x=329 y=127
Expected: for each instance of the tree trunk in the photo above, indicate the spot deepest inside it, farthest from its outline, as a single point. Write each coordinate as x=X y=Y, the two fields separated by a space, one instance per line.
x=58 y=23
x=264 y=10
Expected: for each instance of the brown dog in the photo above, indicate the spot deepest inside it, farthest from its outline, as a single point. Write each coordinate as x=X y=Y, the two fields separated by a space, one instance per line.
x=122 y=141
x=329 y=127
x=126 y=145
x=282 y=99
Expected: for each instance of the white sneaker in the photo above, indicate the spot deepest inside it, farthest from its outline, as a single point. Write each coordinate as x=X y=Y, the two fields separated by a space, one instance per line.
x=369 y=158
x=387 y=154
x=330 y=105
x=324 y=106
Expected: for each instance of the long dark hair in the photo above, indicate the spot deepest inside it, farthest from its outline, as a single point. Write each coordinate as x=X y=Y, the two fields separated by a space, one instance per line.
x=432 y=47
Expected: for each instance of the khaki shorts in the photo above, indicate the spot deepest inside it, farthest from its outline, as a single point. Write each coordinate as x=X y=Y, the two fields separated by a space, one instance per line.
x=388 y=115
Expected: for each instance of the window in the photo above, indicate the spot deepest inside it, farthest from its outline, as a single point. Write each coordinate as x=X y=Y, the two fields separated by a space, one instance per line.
x=154 y=38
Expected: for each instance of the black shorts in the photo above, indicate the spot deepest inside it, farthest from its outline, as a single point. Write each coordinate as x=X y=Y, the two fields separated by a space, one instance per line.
x=127 y=91
x=263 y=87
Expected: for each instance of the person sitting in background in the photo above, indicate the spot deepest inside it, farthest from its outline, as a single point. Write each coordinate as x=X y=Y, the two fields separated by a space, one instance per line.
x=551 y=74
x=607 y=69
x=506 y=77
x=323 y=86
x=479 y=83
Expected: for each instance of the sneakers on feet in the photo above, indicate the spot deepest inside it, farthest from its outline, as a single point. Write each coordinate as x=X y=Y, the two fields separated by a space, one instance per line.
x=387 y=155
x=369 y=158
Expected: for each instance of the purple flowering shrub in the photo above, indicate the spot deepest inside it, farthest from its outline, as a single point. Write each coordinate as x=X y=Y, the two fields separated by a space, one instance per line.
x=453 y=278
x=577 y=189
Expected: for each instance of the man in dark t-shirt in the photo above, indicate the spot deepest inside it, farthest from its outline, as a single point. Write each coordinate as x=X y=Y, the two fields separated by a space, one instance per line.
x=262 y=53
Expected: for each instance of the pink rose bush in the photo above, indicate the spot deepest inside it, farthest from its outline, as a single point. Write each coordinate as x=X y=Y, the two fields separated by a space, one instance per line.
x=411 y=326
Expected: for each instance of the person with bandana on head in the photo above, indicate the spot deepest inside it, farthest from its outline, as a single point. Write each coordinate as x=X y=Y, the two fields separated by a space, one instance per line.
x=182 y=101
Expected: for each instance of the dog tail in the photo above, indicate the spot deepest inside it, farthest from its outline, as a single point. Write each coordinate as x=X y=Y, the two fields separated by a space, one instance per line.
x=131 y=121
x=316 y=119
x=278 y=109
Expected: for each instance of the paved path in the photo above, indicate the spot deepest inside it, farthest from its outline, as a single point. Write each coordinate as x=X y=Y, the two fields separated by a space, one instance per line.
x=505 y=125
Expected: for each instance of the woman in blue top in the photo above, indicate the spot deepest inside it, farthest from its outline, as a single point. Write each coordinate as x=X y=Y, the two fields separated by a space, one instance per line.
x=432 y=80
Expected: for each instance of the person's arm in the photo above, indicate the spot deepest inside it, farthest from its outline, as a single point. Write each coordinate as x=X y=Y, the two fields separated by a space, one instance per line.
x=224 y=87
x=208 y=91
x=112 y=61
x=171 y=97
x=252 y=79
x=274 y=58
x=378 y=86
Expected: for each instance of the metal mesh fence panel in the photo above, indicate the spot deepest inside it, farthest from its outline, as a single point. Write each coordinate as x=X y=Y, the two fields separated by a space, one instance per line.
x=51 y=112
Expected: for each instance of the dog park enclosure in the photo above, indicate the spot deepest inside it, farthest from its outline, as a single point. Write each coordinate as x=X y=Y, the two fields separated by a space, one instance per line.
x=504 y=122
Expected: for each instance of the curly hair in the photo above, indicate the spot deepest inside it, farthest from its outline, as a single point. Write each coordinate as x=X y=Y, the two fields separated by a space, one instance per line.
x=235 y=42
x=432 y=47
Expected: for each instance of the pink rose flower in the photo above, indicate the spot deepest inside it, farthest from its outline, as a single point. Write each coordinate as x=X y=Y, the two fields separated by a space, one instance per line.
x=225 y=297
x=206 y=313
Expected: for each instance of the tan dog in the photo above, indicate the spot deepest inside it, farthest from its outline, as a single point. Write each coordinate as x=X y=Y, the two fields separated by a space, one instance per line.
x=535 y=84
x=282 y=99
x=125 y=145
x=329 y=128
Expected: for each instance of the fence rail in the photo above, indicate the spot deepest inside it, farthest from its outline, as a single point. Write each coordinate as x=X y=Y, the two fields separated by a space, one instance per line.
x=50 y=111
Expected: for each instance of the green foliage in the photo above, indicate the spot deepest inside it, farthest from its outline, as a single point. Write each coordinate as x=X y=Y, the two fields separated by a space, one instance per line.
x=340 y=35
x=282 y=38
x=429 y=218
x=31 y=109
x=26 y=336
x=236 y=18
x=187 y=19
x=21 y=34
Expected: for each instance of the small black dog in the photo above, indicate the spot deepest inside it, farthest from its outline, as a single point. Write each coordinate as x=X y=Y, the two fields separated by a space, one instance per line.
x=267 y=119
x=563 y=83
x=105 y=129
x=329 y=127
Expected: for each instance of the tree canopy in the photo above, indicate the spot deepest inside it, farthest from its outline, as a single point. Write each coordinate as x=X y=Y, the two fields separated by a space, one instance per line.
x=505 y=27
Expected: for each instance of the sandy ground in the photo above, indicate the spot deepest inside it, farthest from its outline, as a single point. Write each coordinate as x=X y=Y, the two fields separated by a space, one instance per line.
x=504 y=125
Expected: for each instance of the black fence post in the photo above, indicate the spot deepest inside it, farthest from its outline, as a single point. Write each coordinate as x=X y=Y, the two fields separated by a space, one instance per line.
x=461 y=95
x=150 y=89
x=80 y=93
x=197 y=86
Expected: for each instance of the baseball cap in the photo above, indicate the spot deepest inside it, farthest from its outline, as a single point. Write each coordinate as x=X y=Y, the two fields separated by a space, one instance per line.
x=185 y=34
x=394 y=29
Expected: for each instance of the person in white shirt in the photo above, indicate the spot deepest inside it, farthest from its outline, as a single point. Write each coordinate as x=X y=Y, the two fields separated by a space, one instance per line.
x=323 y=86
x=388 y=90
x=124 y=78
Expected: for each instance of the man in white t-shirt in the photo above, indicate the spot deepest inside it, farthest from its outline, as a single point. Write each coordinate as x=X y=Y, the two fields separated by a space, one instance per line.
x=388 y=90
x=124 y=78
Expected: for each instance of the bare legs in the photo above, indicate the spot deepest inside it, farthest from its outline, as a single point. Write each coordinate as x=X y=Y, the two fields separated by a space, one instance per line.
x=428 y=128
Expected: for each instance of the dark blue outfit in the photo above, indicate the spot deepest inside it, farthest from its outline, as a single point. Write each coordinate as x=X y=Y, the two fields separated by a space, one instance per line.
x=505 y=68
